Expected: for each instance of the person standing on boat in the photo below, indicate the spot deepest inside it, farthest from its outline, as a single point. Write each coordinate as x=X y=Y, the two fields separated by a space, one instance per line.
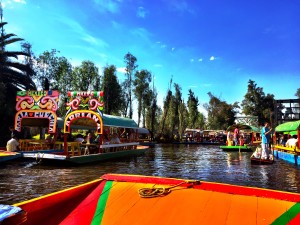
x=236 y=136
x=13 y=144
x=265 y=139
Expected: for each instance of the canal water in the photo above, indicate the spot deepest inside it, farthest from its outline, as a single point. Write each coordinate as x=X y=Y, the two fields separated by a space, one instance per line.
x=20 y=181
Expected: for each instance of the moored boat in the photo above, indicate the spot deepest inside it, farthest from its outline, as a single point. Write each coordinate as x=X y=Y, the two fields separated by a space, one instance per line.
x=84 y=112
x=6 y=156
x=134 y=199
x=287 y=153
x=248 y=143
x=244 y=148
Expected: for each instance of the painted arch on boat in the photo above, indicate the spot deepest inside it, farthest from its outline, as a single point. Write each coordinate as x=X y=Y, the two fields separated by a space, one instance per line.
x=84 y=118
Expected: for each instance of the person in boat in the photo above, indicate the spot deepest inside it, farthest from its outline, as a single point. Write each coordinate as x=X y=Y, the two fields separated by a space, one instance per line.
x=241 y=140
x=13 y=144
x=265 y=140
x=115 y=139
x=79 y=138
x=292 y=142
x=13 y=132
x=236 y=136
x=228 y=137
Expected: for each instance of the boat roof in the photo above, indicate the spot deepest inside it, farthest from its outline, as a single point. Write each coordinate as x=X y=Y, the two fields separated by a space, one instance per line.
x=288 y=126
x=108 y=120
x=243 y=127
x=143 y=130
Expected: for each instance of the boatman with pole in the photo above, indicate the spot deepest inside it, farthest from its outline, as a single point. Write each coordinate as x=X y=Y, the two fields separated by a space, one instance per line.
x=265 y=139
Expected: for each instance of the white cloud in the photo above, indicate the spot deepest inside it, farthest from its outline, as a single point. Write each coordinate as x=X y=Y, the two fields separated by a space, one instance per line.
x=112 y=6
x=173 y=49
x=212 y=58
x=20 y=1
x=121 y=69
x=141 y=12
x=192 y=60
x=200 y=60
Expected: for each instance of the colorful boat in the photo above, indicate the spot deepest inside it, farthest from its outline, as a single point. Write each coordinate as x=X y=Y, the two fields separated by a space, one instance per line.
x=84 y=112
x=244 y=148
x=257 y=159
x=8 y=156
x=290 y=154
x=249 y=132
x=134 y=199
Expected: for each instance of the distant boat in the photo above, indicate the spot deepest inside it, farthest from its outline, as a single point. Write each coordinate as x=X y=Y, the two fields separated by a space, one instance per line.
x=147 y=200
x=244 y=148
x=249 y=132
x=257 y=159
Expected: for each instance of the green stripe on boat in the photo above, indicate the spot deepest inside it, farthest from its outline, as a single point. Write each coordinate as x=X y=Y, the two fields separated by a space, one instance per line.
x=288 y=216
x=97 y=219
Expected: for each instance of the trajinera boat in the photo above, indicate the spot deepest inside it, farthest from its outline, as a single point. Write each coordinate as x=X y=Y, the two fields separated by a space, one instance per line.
x=257 y=159
x=134 y=199
x=250 y=139
x=286 y=131
x=84 y=112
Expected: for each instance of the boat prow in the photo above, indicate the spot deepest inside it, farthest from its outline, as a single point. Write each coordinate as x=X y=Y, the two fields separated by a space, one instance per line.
x=147 y=200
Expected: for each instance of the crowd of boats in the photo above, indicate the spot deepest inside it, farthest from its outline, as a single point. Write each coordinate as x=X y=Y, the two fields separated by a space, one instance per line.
x=107 y=137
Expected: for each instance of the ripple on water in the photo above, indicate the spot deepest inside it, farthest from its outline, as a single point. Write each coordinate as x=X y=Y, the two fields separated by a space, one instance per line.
x=23 y=181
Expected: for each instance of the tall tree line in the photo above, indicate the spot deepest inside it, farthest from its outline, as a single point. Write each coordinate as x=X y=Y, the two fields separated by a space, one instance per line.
x=22 y=70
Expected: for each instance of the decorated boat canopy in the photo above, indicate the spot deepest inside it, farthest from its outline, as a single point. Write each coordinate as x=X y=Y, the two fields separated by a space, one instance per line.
x=84 y=108
x=288 y=127
x=243 y=127
x=108 y=120
x=36 y=108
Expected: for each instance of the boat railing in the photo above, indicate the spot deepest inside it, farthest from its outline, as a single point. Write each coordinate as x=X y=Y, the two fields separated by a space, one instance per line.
x=119 y=147
x=294 y=149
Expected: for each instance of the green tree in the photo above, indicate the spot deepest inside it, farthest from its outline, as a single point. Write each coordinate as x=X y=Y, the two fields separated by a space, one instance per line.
x=192 y=105
x=113 y=98
x=220 y=113
x=131 y=65
x=256 y=103
x=141 y=90
x=183 y=116
x=12 y=71
x=53 y=72
x=14 y=76
x=166 y=107
x=176 y=105
x=297 y=94
x=85 y=76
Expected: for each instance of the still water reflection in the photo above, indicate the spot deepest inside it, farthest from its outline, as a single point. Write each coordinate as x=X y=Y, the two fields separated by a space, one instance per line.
x=20 y=181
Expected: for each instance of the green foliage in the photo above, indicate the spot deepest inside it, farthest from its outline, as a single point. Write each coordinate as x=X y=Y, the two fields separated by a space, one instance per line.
x=192 y=105
x=85 y=76
x=141 y=90
x=220 y=113
x=113 y=98
x=256 y=103
x=130 y=61
x=298 y=93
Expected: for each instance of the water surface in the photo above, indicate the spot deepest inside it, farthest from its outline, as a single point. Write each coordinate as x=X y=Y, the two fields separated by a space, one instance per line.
x=21 y=181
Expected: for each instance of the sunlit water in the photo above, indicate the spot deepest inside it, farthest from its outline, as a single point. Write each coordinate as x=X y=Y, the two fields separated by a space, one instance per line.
x=21 y=181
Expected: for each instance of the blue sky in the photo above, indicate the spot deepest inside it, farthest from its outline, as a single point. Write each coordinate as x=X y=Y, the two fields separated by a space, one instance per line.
x=206 y=45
